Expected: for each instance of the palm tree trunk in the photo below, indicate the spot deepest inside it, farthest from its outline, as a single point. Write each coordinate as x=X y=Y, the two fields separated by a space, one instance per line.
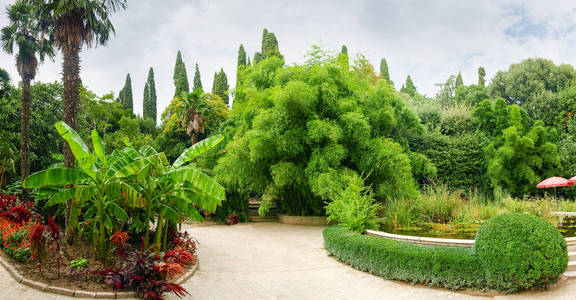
x=25 y=136
x=71 y=81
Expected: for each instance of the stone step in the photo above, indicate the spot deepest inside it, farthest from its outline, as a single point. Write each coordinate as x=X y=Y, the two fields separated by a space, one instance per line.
x=572 y=255
x=263 y=219
x=571 y=248
x=570 y=274
x=571 y=266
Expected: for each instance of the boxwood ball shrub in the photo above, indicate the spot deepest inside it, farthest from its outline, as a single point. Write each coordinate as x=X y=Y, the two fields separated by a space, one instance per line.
x=520 y=251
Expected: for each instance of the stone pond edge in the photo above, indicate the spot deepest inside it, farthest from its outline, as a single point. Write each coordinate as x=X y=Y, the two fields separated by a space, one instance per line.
x=43 y=287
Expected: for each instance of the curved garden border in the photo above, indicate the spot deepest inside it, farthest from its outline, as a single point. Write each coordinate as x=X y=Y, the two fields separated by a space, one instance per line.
x=435 y=241
x=301 y=220
x=43 y=287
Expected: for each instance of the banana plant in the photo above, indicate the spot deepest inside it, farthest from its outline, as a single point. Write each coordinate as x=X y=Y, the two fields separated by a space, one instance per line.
x=172 y=192
x=92 y=187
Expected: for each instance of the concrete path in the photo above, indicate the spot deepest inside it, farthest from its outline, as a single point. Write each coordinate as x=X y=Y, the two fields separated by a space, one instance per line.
x=276 y=261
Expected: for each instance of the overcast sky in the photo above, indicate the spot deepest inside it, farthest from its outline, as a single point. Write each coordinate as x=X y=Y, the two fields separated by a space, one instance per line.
x=429 y=40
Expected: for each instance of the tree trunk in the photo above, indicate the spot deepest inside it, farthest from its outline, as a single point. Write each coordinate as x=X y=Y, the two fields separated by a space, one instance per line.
x=71 y=81
x=25 y=136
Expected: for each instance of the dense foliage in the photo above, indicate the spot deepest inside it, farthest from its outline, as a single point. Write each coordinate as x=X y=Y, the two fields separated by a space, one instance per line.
x=447 y=267
x=520 y=251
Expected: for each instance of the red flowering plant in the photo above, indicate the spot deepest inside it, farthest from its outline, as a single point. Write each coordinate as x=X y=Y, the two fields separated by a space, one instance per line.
x=15 y=238
x=232 y=219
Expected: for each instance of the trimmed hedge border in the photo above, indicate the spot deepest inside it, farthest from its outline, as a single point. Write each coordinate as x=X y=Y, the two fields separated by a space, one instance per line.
x=78 y=293
x=448 y=267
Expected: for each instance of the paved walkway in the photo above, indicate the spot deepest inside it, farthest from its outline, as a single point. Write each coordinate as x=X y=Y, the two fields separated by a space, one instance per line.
x=276 y=261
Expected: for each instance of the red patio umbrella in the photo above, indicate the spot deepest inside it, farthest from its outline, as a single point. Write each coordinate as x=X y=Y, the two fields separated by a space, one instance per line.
x=554 y=182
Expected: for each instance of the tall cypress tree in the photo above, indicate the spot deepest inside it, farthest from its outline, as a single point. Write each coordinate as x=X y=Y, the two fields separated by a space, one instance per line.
x=220 y=86
x=343 y=59
x=481 y=77
x=197 y=79
x=248 y=63
x=149 y=109
x=257 y=57
x=409 y=87
x=180 y=77
x=264 y=34
x=459 y=80
x=125 y=95
x=241 y=56
x=384 y=70
x=270 y=46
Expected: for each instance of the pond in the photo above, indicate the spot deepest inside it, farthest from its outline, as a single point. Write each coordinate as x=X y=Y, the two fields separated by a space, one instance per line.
x=466 y=231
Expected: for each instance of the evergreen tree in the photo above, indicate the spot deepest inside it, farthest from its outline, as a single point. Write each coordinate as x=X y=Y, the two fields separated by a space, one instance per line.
x=384 y=70
x=264 y=34
x=409 y=87
x=197 y=79
x=459 y=80
x=241 y=56
x=125 y=95
x=180 y=77
x=270 y=46
x=248 y=63
x=220 y=86
x=149 y=102
x=481 y=77
x=257 y=58
x=343 y=59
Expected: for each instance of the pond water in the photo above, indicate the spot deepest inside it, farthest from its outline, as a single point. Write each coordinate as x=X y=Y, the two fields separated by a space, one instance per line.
x=466 y=231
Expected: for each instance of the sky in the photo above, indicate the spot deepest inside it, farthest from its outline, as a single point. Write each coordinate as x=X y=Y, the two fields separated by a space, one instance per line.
x=428 y=39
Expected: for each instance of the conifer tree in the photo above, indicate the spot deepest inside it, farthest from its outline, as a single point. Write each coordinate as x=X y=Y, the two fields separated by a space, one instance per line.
x=180 y=77
x=125 y=95
x=220 y=86
x=343 y=59
x=248 y=63
x=149 y=109
x=481 y=77
x=459 y=80
x=384 y=70
x=241 y=56
x=409 y=87
x=270 y=46
x=257 y=58
x=197 y=79
x=264 y=34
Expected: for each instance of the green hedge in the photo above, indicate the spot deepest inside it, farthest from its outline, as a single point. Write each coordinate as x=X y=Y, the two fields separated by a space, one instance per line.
x=448 y=267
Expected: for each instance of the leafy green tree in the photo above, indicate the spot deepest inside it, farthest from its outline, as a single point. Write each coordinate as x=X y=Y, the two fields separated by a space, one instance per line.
x=197 y=79
x=180 y=76
x=296 y=130
x=220 y=85
x=25 y=32
x=522 y=159
x=257 y=57
x=481 y=77
x=192 y=109
x=149 y=102
x=75 y=23
x=125 y=96
x=459 y=81
x=471 y=94
x=529 y=78
x=5 y=86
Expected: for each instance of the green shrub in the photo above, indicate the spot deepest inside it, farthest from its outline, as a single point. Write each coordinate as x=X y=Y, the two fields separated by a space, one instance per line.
x=520 y=251
x=354 y=206
x=448 y=267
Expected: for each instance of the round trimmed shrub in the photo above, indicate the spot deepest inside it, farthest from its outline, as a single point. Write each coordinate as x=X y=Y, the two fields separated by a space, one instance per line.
x=520 y=251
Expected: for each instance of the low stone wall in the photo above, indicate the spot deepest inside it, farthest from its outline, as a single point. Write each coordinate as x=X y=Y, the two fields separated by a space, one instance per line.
x=299 y=220
x=77 y=293
x=435 y=241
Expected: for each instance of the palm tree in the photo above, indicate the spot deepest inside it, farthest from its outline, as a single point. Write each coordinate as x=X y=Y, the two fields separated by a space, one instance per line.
x=192 y=109
x=25 y=32
x=76 y=23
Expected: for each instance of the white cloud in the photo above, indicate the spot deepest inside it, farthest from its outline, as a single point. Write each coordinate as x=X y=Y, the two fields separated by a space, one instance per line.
x=429 y=40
